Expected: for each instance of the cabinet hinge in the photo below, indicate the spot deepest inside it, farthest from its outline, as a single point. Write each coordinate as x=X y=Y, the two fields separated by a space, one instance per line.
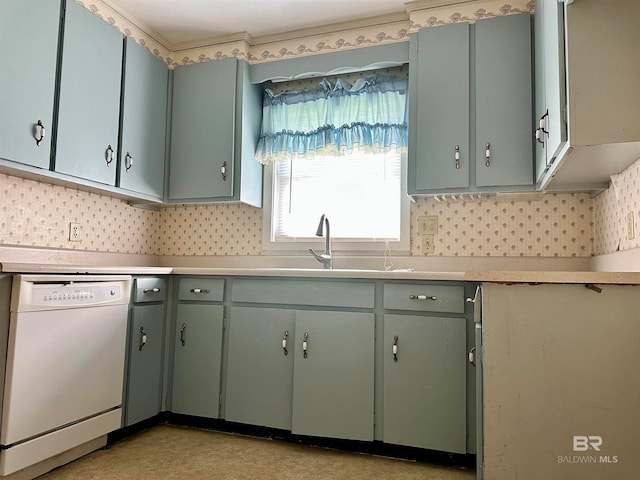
x=220 y=400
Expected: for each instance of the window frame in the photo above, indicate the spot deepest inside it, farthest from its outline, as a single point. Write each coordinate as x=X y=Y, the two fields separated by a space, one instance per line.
x=353 y=247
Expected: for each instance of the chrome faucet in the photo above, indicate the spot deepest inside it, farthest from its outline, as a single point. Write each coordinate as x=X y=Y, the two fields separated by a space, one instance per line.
x=326 y=259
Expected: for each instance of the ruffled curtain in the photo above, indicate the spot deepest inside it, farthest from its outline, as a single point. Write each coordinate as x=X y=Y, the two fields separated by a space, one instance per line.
x=370 y=115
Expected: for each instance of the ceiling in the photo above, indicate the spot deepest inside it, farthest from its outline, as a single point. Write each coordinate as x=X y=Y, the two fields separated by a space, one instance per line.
x=175 y=22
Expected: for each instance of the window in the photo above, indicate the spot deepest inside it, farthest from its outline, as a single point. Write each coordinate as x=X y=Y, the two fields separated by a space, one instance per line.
x=353 y=174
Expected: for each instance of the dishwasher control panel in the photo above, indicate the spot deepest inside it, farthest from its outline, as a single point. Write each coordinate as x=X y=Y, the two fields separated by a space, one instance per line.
x=46 y=292
x=75 y=295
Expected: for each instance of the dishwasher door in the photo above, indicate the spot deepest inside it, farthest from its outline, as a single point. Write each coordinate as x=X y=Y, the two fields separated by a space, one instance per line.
x=63 y=366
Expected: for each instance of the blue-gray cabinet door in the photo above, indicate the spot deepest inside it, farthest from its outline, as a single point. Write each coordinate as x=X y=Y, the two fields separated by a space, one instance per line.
x=333 y=378
x=260 y=356
x=144 y=374
x=503 y=124
x=550 y=83
x=424 y=402
x=440 y=124
x=197 y=360
x=144 y=119
x=28 y=46
x=203 y=130
x=89 y=110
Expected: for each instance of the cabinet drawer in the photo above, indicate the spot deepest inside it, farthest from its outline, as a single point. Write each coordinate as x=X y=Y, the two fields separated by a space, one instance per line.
x=424 y=297
x=149 y=289
x=295 y=291
x=202 y=289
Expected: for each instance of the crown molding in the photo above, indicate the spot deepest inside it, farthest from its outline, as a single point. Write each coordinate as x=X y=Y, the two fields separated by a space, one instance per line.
x=143 y=27
x=417 y=5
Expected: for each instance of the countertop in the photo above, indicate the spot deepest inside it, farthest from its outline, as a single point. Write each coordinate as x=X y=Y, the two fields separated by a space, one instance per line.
x=491 y=276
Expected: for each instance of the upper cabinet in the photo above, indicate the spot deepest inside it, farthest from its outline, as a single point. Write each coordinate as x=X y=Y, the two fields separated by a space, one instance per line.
x=470 y=114
x=29 y=50
x=587 y=95
x=89 y=109
x=144 y=119
x=215 y=125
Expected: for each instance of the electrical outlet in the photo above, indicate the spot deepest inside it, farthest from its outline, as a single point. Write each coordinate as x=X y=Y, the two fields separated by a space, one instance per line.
x=631 y=231
x=74 y=232
x=428 y=225
x=428 y=244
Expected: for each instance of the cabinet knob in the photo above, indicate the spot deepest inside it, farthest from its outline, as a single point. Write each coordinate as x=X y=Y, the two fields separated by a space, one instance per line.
x=128 y=161
x=423 y=297
x=200 y=290
x=305 y=344
x=472 y=356
x=223 y=171
x=456 y=155
x=143 y=339
x=182 y=334
x=41 y=133
x=394 y=348
x=109 y=154
x=487 y=155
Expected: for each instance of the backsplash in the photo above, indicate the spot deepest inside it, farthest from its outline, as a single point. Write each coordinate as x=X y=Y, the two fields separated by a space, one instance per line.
x=35 y=214
x=612 y=209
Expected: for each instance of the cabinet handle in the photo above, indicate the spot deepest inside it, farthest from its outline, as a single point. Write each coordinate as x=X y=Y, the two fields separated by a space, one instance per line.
x=223 y=171
x=423 y=297
x=128 y=161
x=110 y=154
x=42 y=132
x=284 y=342
x=182 y=331
x=394 y=349
x=305 y=344
x=472 y=356
x=143 y=339
x=200 y=290
x=151 y=290
x=456 y=155
x=487 y=155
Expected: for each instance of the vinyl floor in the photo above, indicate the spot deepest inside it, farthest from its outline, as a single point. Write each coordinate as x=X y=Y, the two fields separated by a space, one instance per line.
x=177 y=452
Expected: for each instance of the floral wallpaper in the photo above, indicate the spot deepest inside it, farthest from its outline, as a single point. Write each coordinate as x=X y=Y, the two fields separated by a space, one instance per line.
x=38 y=215
x=613 y=208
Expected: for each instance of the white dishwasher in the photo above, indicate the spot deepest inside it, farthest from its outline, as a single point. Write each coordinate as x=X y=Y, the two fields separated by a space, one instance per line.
x=65 y=365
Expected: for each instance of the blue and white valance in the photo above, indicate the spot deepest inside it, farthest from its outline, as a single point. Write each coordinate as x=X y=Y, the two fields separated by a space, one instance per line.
x=334 y=118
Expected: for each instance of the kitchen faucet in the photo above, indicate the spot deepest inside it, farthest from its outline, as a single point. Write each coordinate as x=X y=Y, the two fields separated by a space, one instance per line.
x=326 y=259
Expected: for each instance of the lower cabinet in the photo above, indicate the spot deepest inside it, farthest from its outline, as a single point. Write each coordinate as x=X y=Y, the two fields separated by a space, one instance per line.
x=311 y=372
x=143 y=392
x=424 y=401
x=333 y=379
x=259 y=387
x=197 y=360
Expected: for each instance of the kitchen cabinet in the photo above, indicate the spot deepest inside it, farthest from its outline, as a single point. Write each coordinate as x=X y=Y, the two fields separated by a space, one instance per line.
x=587 y=99
x=471 y=111
x=215 y=125
x=424 y=382
x=259 y=388
x=143 y=390
x=425 y=366
x=560 y=381
x=89 y=104
x=197 y=360
x=143 y=122
x=29 y=51
x=333 y=383
x=324 y=384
